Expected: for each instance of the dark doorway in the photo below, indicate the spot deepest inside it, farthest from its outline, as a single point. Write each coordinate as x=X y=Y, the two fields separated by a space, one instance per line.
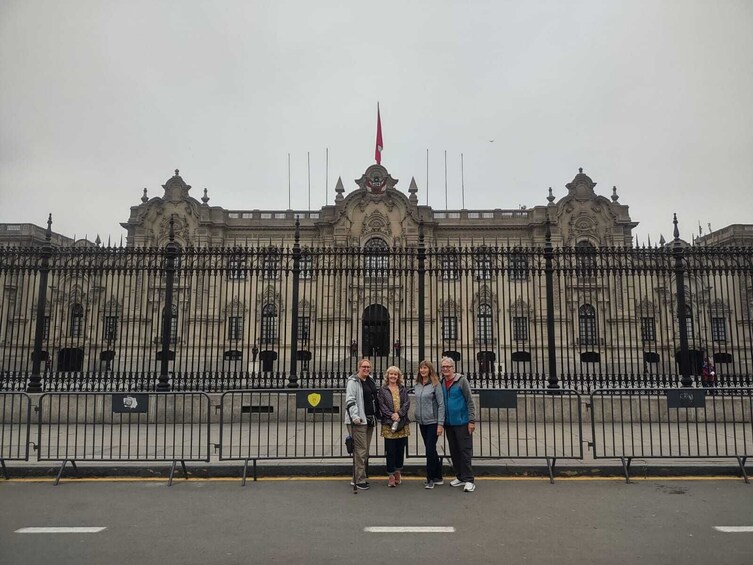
x=267 y=359
x=485 y=362
x=71 y=359
x=376 y=331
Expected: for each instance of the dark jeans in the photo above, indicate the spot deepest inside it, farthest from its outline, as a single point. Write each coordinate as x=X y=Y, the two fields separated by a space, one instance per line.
x=433 y=465
x=394 y=451
x=460 y=441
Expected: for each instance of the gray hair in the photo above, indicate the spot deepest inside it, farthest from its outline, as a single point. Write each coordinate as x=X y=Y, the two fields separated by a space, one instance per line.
x=449 y=360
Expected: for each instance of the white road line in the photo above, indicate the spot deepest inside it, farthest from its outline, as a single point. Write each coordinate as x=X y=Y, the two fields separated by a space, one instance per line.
x=82 y=530
x=409 y=529
x=734 y=529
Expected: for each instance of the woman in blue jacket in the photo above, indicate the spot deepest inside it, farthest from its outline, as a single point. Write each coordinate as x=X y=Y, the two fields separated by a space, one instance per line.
x=459 y=423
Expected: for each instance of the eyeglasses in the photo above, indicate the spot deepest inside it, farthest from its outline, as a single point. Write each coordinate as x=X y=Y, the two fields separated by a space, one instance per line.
x=446 y=367
x=365 y=366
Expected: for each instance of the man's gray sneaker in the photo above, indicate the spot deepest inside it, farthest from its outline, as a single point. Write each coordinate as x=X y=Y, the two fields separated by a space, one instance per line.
x=428 y=484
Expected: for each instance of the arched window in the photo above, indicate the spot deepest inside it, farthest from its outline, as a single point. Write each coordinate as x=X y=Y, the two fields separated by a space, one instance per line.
x=484 y=324
x=269 y=323
x=76 y=325
x=587 y=324
x=585 y=258
x=376 y=258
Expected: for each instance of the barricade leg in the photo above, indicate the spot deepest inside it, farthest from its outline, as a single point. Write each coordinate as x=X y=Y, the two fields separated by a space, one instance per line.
x=172 y=471
x=60 y=472
x=245 y=473
x=741 y=462
x=550 y=466
x=626 y=468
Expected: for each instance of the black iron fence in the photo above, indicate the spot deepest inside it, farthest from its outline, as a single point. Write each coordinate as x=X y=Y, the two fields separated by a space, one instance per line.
x=215 y=319
x=672 y=423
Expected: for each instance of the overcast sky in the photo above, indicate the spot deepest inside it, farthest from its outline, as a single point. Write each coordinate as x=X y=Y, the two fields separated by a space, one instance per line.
x=100 y=99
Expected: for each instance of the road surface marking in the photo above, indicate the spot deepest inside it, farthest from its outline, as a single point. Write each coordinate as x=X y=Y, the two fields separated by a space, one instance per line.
x=409 y=529
x=734 y=529
x=81 y=530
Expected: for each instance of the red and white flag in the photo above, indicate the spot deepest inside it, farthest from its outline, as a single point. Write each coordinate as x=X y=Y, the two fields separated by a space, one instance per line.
x=379 y=143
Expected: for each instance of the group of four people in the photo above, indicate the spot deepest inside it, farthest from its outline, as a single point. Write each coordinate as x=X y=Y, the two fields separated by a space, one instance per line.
x=443 y=406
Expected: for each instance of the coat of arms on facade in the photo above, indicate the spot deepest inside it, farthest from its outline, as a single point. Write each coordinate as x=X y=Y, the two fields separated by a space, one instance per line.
x=376 y=180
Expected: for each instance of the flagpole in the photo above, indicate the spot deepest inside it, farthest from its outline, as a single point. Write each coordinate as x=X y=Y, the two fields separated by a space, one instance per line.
x=462 y=181
x=326 y=175
x=427 y=176
x=308 y=166
x=446 y=206
x=289 y=207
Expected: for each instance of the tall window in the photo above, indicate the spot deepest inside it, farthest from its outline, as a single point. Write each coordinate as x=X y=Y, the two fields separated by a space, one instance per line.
x=236 y=268
x=648 y=329
x=718 y=329
x=76 y=326
x=587 y=324
x=304 y=328
x=173 y=322
x=306 y=265
x=517 y=269
x=376 y=258
x=520 y=328
x=111 y=328
x=483 y=267
x=271 y=264
x=235 y=328
x=449 y=327
x=484 y=324
x=449 y=267
x=689 y=322
x=269 y=323
x=585 y=258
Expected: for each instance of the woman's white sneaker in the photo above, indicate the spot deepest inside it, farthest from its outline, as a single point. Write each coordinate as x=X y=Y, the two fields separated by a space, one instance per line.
x=469 y=487
x=456 y=483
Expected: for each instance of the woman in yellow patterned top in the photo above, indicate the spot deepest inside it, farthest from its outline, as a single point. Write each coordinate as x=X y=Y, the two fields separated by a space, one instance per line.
x=394 y=404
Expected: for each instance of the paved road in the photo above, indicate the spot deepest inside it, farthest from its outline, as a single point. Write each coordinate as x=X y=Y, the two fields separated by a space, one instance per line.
x=321 y=521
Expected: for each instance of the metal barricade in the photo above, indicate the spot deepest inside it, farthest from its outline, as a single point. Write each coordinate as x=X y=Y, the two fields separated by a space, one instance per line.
x=283 y=424
x=15 y=428
x=124 y=427
x=523 y=424
x=683 y=423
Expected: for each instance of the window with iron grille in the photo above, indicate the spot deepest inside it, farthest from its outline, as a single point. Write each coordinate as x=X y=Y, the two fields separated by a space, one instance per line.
x=269 y=323
x=376 y=259
x=585 y=258
x=520 y=328
x=689 y=322
x=173 y=322
x=306 y=264
x=111 y=328
x=718 y=329
x=449 y=327
x=450 y=267
x=236 y=269
x=76 y=327
x=484 y=324
x=235 y=328
x=517 y=269
x=648 y=329
x=483 y=268
x=304 y=328
x=271 y=265
x=587 y=325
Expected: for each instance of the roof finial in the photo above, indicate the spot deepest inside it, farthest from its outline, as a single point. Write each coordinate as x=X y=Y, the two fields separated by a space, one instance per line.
x=145 y=198
x=550 y=198
x=205 y=198
x=615 y=196
x=177 y=172
x=580 y=170
x=677 y=230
